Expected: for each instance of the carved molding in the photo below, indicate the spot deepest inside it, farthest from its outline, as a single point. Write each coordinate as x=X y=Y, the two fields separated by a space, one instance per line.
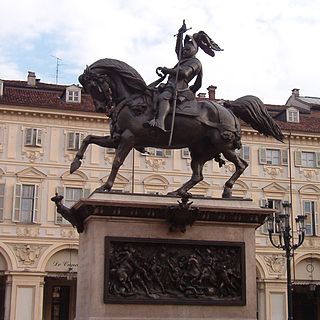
x=155 y=163
x=33 y=155
x=309 y=174
x=68 y=233
x=109 y=158
x=275 y=263
x=28 y=231
x=229 y=167
x=273 y=171
x=27 y=254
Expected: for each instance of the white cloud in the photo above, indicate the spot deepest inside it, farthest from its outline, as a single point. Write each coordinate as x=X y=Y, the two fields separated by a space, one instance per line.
x=270 y=46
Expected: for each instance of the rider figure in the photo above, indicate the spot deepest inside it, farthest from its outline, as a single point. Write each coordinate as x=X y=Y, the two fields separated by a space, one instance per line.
x=188 y=68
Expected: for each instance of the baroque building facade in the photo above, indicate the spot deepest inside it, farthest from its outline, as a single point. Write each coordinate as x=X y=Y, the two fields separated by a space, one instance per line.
x=41 y=128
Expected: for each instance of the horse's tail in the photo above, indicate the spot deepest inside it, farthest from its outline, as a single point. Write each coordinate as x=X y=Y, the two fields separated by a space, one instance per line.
x=252 y=110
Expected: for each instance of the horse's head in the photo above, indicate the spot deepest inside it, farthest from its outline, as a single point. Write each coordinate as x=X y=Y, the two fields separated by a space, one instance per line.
x=98 y=87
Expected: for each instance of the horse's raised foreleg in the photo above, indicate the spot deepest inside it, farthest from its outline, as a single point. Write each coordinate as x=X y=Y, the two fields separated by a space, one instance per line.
x=240 y=165
x=125 y=146
x=197 y=176
x=105 y=141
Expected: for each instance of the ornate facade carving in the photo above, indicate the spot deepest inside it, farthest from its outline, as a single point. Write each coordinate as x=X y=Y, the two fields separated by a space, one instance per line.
x=27 y=254
x=68 y=233
x=155 y=163
x=275 y=263
x=273 y=171
x=309 y=174
x=32 y=155
x=28 y=231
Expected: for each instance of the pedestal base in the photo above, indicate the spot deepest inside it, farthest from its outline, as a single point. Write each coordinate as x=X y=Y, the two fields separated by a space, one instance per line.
x=118 y=226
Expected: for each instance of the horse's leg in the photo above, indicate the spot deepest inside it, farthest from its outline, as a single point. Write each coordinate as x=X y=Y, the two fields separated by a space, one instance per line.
x=197 y=164
x=240 y=165
x=125 y=146
x=105 y=141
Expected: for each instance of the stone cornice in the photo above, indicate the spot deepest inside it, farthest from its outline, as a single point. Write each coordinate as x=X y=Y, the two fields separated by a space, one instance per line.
x=53 y=113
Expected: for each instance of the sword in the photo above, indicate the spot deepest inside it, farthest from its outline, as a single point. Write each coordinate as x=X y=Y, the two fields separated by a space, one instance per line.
x=181 y=31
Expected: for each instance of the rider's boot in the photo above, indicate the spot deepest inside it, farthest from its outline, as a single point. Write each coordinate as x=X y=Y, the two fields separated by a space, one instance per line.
x=159 y=121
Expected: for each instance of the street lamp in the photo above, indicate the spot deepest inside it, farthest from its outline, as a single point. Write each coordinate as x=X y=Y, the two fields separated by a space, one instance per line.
x=286 y=242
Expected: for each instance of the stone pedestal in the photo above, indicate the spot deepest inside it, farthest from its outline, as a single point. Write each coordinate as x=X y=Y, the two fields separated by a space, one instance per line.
x=115 y=228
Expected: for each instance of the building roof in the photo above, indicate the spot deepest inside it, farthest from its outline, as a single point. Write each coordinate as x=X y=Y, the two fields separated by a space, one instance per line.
x=52 y=96
x=43 y=95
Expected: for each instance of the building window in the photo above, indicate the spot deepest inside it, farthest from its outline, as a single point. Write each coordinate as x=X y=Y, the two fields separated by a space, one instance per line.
x=165 y=153
x=110 y=150
x=244 y=153
x=292 y=115
x=2 y=187
x=311 y=222
x=307 y=159
x=73 y=94
x=71 y=196
x=185 y=153
x=74 y=140
x=25 y=208
x=275 y=204
x=33 y=137
x=273 y=156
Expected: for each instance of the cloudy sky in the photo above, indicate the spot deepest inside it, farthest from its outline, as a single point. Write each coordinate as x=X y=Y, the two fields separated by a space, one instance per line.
x=270 y=46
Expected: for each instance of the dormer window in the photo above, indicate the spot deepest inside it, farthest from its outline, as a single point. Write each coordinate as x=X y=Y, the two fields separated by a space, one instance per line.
x=73 y=94
x=293 y=115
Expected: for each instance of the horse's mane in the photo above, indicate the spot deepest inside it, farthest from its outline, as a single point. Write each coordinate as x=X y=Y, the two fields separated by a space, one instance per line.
x=130 y=76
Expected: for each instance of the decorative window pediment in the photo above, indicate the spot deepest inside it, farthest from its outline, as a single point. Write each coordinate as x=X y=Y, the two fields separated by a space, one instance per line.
x=31 y=173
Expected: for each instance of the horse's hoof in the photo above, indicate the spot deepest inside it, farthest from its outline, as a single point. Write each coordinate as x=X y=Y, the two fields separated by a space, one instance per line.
x=75 y=165
x=227 y=193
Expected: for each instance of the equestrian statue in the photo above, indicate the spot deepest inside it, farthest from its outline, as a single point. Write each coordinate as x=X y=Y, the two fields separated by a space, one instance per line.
x=167 y=114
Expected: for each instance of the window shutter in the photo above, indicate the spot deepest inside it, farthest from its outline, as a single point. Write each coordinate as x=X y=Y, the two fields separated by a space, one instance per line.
x=86 y=193
x=318 y=159
x=35 y=212
x=297 y=158
x=245 y=153
x=167 y=153
x=284 y=157
x=39 y=138
x=2 y=187
x=28 y=140
x=262 y=156
x=71 y=140
x=152 y=151
x=316 y=218
x=17 y=203
x=82 y=136
x=58 y=216
x=263 y=203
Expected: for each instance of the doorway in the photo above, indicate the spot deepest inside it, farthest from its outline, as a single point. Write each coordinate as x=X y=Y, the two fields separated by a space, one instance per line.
x=59 y=299
x=306 y=302
x=2 y=295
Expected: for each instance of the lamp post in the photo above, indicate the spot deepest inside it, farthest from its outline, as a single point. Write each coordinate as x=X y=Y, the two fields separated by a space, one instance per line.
x=286 y=242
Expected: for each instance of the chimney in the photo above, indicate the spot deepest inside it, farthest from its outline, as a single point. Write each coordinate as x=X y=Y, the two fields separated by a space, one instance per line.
x=31 y=80
x=212 y=92
x=295 y=92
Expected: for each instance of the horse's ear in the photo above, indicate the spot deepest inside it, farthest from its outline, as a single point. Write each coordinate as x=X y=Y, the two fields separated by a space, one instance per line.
x=81 y=80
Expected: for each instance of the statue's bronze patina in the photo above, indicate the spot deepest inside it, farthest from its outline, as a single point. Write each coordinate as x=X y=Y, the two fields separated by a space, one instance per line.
x=139 y=114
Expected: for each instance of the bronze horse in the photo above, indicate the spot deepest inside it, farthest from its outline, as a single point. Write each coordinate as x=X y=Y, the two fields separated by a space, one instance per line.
x=119 y=90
